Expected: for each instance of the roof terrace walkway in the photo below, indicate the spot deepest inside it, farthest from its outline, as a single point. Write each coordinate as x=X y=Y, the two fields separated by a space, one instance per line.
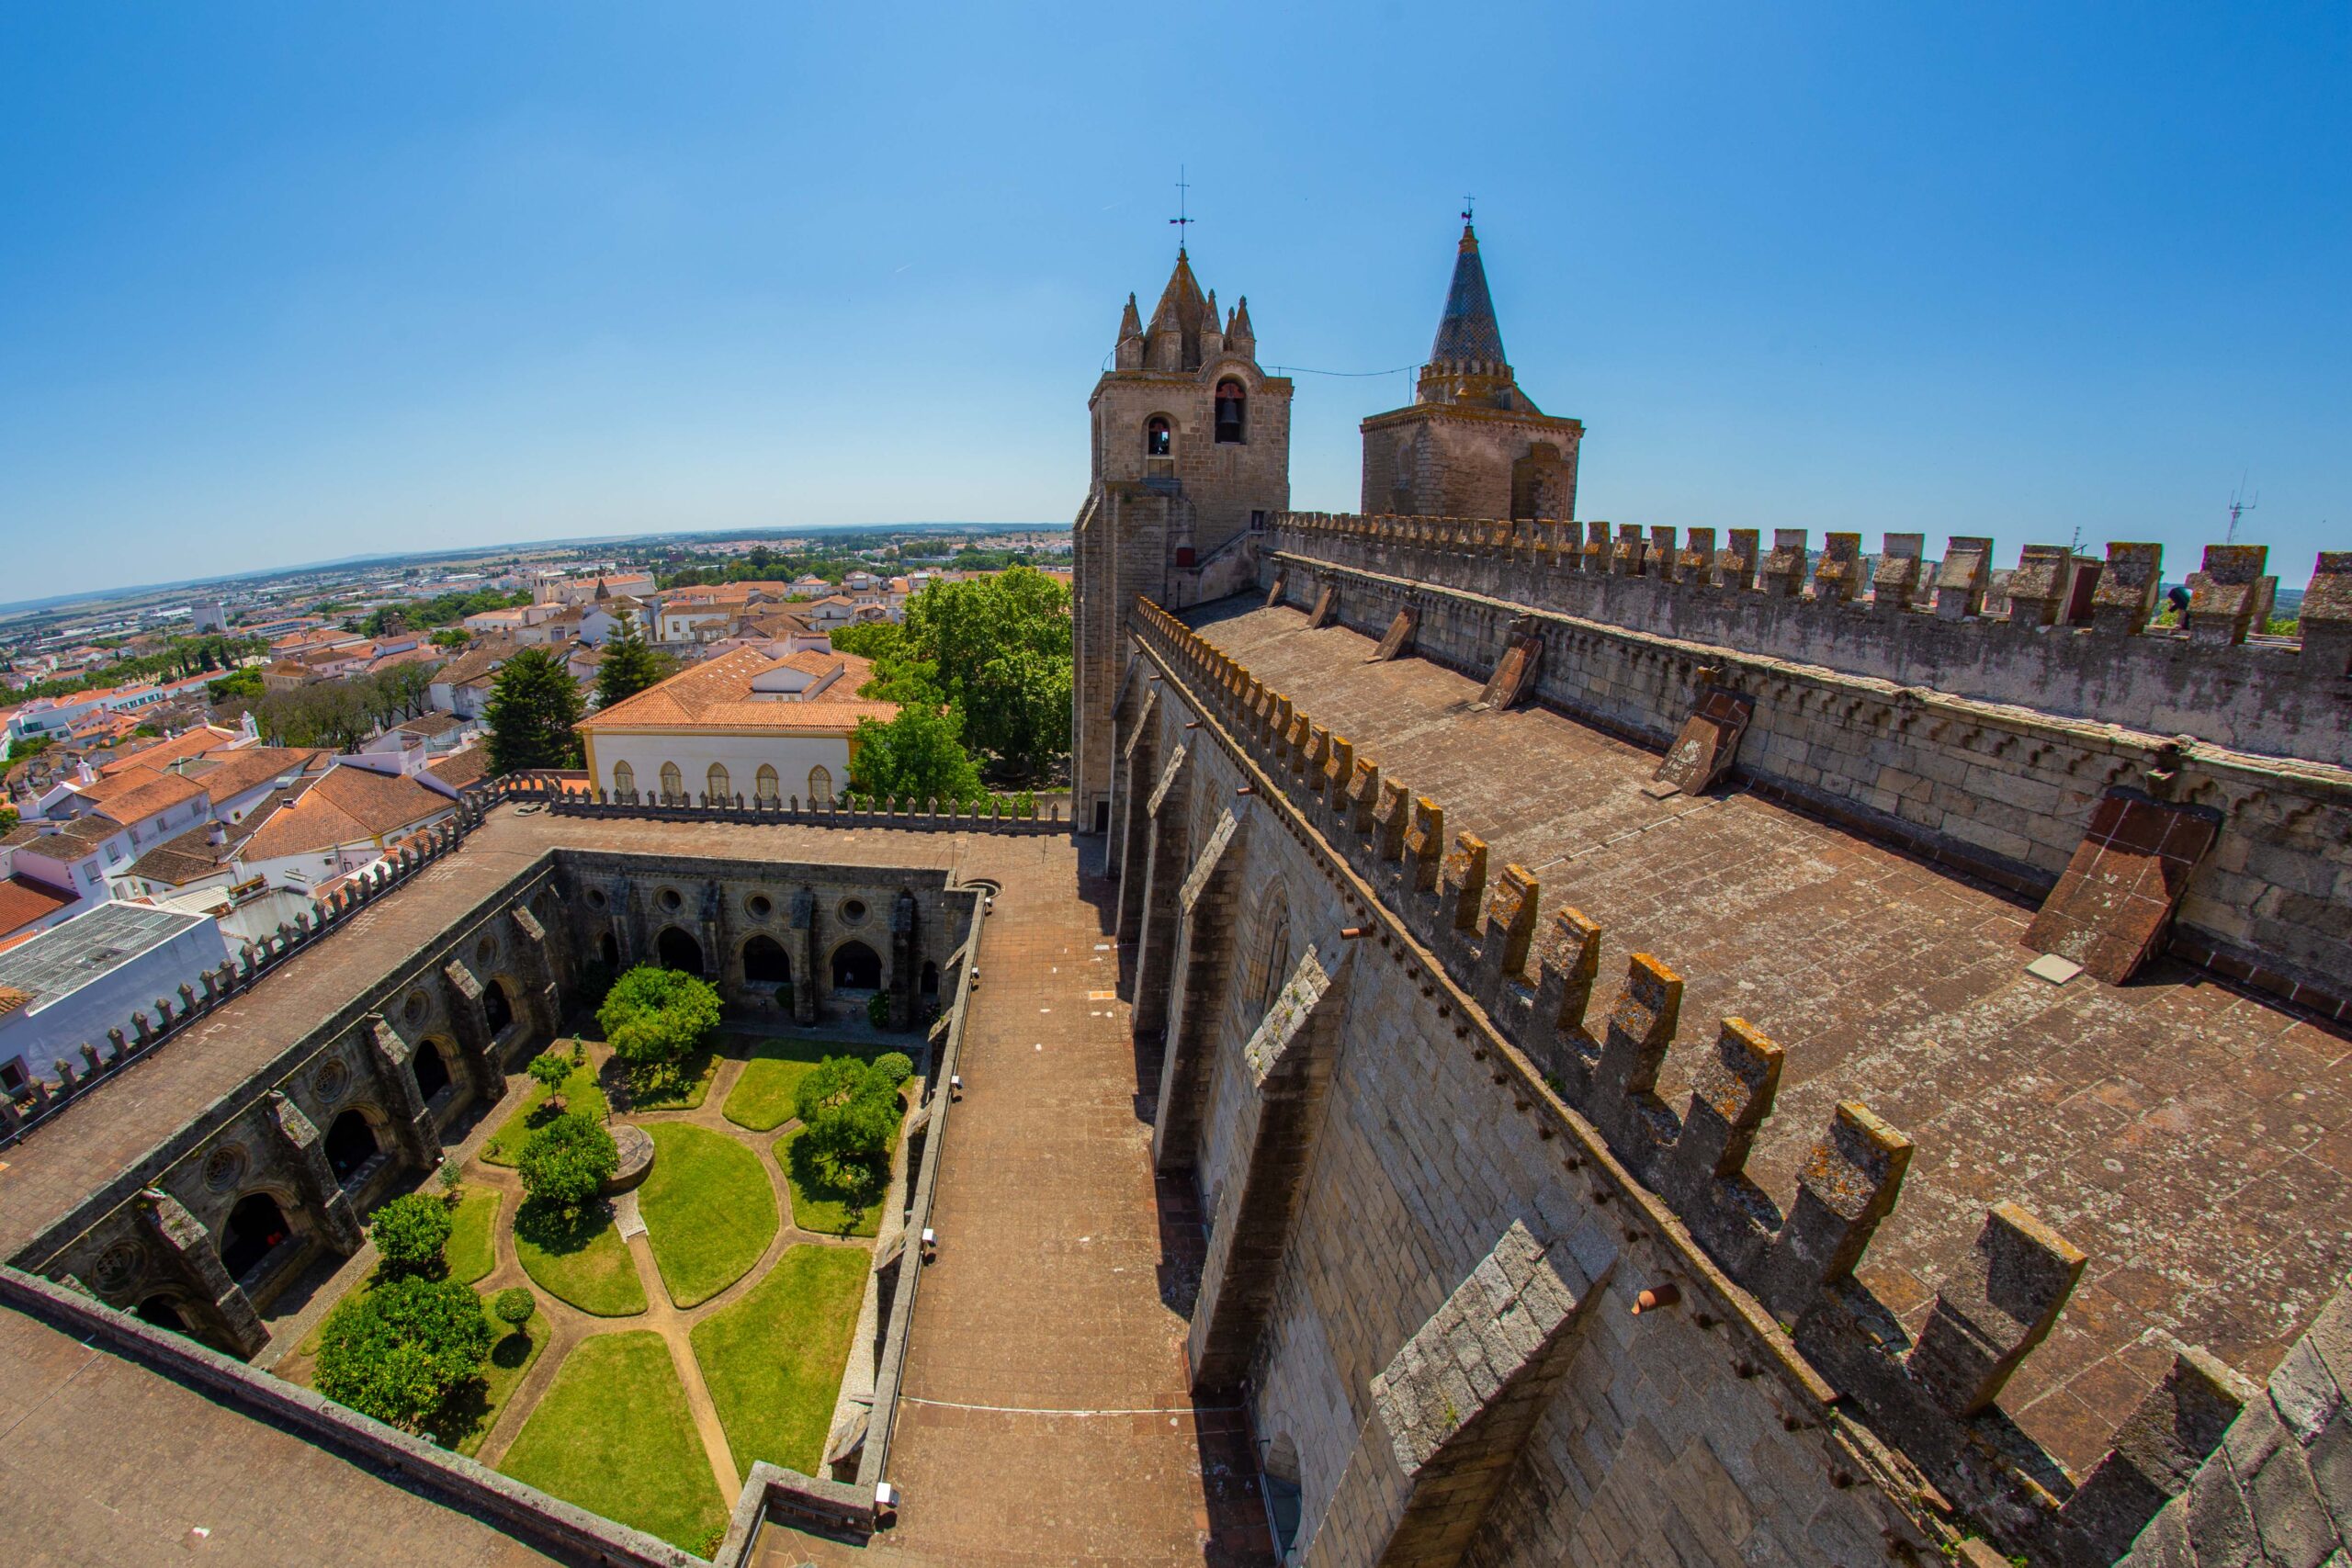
x=2196 y=1142
x=1045 y=1417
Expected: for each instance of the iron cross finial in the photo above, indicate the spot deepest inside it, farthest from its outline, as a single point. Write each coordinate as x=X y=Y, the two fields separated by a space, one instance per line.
x=1183 y=220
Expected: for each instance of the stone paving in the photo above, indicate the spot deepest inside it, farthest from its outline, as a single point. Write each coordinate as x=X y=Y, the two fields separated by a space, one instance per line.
x=1045 y=1416
x=1047 y=1420
x=2196 y=1141
x=103 y=1463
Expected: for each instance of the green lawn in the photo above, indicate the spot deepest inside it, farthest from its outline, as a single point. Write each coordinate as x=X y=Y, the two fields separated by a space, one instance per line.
x=469 y=1418
x=473 y=1251
x=613 y=1436
x=583 y=1261
x=826 y=1201
x=580 y=1093
x=774 y=1359
x=762 y=1099
x=709 y=1211
x=686 y=1090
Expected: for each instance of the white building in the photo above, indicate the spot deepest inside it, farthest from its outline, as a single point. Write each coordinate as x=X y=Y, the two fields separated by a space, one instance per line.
x=744 y=724
x=72 y=983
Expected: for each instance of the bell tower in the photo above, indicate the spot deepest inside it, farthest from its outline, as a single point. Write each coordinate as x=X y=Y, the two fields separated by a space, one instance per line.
x=1471 y=444
x=1189 y=442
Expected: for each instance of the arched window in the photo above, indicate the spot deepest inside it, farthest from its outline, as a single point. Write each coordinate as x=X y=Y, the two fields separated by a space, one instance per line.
x=1229 y=406
x=717 y=783
x=497 y=1011
x=432 y=1070
x=351 y=1144
x=856 y=968
x=624 y=782
x=678 y=950
x=1280 y=1473
x=1266 y=968
x=764 y=783
x=673 y=783
x=1158 y=437
x=820 y=787
x=255 y=1227
x=765 y=962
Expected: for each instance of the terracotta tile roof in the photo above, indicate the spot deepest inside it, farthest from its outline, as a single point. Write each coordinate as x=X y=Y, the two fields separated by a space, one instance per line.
x=242 y=770
x=717 y=694
x=22 y=902
x=196 y=742
x=138 y=793
x=179 y=860
x=12 y=998
x=344 y=806
x=461 y=768
x=71 y=841
x=476 y=661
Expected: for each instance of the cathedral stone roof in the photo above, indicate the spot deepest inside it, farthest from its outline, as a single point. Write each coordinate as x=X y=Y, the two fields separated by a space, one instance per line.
x=1467 y=332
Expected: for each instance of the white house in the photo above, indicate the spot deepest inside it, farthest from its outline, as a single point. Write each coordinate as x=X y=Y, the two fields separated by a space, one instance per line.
x=743 y=724
x=72 y=983
x=342 y=820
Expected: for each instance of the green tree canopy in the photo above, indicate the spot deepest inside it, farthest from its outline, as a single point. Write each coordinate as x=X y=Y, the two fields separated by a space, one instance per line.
x=848 y=1110
x=398 y=1352
x=409 y=1232
x=533 y=705
x=629 y=665
x=918 y=753
x=996 y=650
x=565 y=1162
x=656 y=1018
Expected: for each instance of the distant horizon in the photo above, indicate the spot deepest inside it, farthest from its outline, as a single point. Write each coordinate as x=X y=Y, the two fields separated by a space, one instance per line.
x=326 y=284
x=125 y=590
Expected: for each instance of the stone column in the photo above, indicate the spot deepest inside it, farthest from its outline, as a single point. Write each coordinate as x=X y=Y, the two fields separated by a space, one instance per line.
x=1202 y=963
x=1163 y=864
x=471 y=1025
x=1129 y=848
x=906 y=966
x=314 y=1177
x=387 y=1058
x=189 y=1247
x=535 y=964
x=1288 y=1065
x=1460 y=1398
x=801 y=943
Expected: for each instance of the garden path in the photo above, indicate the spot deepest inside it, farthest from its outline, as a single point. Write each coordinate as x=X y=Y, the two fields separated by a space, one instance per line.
x=675 y=1325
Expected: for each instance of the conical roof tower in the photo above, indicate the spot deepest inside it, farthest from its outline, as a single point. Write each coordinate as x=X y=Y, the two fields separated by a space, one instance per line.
x=1468 y=334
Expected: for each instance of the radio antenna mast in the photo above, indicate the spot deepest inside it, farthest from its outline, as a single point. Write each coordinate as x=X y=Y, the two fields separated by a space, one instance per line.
x=2240 y=504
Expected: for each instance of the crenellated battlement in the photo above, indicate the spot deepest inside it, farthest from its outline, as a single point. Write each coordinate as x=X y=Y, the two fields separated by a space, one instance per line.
x=2064 y=633
x=1593 y=1073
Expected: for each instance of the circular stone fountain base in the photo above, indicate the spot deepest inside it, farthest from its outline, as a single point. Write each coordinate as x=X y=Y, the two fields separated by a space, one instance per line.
x=637 y=1157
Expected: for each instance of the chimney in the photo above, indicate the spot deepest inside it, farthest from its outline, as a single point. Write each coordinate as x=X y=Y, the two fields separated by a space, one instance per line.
x=215 y=833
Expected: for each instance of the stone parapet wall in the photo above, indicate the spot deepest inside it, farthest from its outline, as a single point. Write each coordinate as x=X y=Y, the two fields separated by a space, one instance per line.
x=1999 y=791
x=560 y=1529
x=1478 y=1081
x=2064 y=635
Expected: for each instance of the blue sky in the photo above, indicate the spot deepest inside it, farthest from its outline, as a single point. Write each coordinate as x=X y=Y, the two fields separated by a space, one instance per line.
x=288 y=283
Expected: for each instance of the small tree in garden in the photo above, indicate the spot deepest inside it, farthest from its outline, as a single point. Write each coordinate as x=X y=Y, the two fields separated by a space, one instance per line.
x=399 y=1352
x=514 y=1306
x=565 y=1162
x=548 y=1069
x=453 y=1176
x=894 y=1068
x=409 y=1233
x=877 y=1009
x=850 y=1109
x=656 y=1018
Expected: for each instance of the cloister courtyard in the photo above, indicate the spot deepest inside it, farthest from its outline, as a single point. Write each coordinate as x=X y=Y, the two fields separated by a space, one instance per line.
x=685 y=1328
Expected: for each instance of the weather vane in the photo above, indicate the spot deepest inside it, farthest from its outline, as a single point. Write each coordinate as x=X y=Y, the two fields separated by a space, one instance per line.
x=1467 y=202
x=1181 y=219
